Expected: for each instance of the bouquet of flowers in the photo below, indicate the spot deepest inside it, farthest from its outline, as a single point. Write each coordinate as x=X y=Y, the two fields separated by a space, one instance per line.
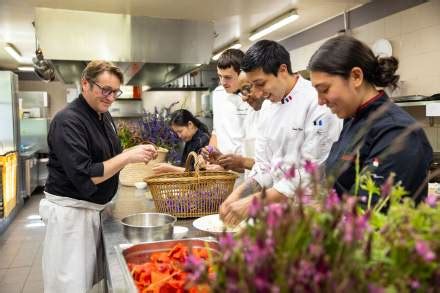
x=332 y=245
x=154 y=128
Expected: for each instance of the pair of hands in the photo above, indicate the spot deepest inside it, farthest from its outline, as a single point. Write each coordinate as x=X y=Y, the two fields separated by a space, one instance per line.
x=233 y=212
x=143 y=153
x=215 y=157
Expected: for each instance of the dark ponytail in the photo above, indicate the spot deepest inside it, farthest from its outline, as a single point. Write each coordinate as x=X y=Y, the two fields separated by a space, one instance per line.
x=339 y=55
x=182 y=117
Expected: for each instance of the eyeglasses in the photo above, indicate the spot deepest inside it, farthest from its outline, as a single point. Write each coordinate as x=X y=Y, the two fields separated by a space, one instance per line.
x=107 y=91
x=244 y=90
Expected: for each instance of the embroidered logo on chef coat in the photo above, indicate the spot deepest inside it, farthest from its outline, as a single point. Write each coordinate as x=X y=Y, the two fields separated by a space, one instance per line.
x=286 y=99
x=319 y=125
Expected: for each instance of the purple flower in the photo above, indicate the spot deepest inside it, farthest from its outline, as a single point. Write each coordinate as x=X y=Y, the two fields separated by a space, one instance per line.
x=386 y=188
x=262 y=284
x=290 y=173
x=227 y=243
x=316 y=250
x=415 y=284
x=195 y=268
x=354 y=227
x=254 y=255
x=255 y=207
x=424 y=251
x=332 y=200
x=274 y=214
x=310 y=167
x=375 y=289
x=431 y=200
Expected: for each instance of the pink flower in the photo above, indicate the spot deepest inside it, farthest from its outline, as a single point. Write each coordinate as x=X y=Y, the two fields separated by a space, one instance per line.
x=290 y=173
x=274 y=214
x=415 y=284
x=431 y=200
x=354 y=227
x=195 y=268
x=332 y=200
x=315 y=250
x=228 y=244
x=375 y=289
x=255 y=207
x=424 y=251
x=310 y=167
x=386 y=188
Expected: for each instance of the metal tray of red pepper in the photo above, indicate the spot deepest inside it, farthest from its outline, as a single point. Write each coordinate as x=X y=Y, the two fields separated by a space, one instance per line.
x=139 y=262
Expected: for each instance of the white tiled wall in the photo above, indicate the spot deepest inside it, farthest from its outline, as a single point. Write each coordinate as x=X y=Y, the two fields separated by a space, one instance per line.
x=190 y=100
x=415 y=37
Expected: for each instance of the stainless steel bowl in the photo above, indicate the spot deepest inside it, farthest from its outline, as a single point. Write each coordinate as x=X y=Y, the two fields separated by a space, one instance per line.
x=147 y=227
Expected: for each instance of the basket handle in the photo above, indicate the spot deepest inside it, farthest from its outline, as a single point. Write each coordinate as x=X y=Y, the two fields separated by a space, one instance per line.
x=196 y=163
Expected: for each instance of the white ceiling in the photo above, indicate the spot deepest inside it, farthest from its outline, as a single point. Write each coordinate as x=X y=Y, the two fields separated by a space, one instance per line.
x=232 y=18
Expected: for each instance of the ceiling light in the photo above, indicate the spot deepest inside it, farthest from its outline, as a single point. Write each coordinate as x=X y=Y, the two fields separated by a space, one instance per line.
x=13 y=52
x=234 y=45
x=273 y=25
x=25 y=68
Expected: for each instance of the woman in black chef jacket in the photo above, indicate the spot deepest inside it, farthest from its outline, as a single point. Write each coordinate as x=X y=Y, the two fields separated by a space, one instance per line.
x=192 y=131
x=347 y=75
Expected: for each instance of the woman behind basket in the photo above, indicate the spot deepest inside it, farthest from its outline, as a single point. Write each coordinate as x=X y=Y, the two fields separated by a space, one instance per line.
x=192 y=131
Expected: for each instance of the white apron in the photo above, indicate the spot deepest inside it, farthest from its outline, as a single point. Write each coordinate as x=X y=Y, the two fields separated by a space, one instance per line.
x=71 y=243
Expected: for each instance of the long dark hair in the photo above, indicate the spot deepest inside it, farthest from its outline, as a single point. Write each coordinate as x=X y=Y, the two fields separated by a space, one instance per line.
x=339 y=55
x=182 y=117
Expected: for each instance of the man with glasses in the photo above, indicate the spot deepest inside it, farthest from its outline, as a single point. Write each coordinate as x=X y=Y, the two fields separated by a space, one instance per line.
x=85 y=158
x=251 y=125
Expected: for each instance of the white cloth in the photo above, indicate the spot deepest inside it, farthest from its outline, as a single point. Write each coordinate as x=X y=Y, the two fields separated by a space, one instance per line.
x=294 y=131
x=252 y=126
x=229 y=114
x=71 y=243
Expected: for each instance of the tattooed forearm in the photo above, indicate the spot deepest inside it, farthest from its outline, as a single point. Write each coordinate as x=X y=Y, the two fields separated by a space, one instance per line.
x=250 y=187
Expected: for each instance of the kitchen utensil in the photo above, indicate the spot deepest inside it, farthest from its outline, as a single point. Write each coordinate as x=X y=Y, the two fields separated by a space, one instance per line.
x=179 y=232
x=146 y=227
x=140 y=185
x=140 y=253
x=214 y=225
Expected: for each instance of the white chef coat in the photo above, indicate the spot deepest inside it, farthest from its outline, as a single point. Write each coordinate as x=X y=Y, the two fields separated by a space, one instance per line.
x=229 y=113
x=252 y=126
x=295 y=130
x=71 y=243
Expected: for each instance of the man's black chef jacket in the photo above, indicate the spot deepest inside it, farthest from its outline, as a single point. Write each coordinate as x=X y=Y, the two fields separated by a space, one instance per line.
x=79 y=142
x=373 y=136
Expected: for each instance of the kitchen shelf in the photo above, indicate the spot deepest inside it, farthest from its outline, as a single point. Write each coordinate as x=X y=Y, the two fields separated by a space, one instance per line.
x=416 y=103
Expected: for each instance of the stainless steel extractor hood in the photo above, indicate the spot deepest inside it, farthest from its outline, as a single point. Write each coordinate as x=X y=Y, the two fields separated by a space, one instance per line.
x=150 y=51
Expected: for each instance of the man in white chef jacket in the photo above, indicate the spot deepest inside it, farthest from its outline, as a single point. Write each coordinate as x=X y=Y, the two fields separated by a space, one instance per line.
x=295 y=129
x=228 y=108
x=251 y=125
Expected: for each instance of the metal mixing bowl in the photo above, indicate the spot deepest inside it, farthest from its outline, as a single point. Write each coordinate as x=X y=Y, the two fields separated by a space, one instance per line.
x=147 y=227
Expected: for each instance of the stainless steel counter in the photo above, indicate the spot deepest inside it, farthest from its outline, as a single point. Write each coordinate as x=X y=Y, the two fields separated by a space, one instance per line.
x=127 y=201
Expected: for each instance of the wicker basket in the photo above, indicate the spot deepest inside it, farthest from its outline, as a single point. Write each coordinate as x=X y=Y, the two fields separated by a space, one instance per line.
x=191 y=194
x=137 y=172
